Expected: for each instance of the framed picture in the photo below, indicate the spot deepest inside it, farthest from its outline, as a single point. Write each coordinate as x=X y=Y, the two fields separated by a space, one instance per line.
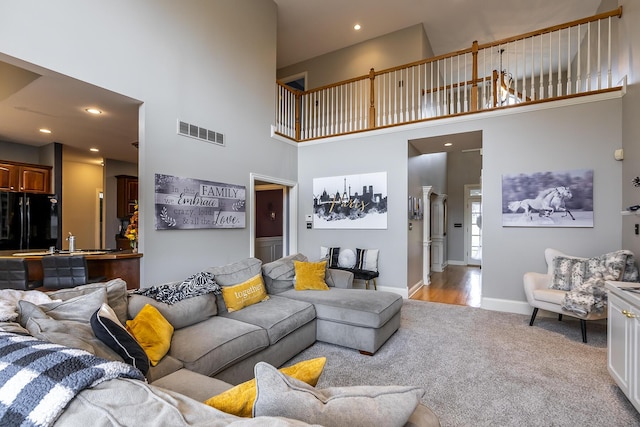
x=185 y=203
x=548 y=199
x=350 y=201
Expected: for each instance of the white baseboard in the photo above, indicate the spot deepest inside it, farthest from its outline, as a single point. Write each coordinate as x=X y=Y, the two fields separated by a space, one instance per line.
x=456 y=262
x=360 y=285
x=508 y=306
x=415 y=288
x=402 y=292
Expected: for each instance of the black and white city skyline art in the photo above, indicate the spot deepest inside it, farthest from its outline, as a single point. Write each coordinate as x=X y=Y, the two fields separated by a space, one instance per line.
x=350 y=201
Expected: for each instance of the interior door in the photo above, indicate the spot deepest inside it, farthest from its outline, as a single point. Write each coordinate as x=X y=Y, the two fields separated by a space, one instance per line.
x=473 y=224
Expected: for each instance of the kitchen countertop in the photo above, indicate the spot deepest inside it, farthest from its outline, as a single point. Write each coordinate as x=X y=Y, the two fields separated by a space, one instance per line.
x=89 y=254
x=107 y=264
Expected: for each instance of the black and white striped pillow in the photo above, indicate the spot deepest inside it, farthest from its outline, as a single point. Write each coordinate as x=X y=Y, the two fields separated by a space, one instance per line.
x=366 y=259
x=333 y=253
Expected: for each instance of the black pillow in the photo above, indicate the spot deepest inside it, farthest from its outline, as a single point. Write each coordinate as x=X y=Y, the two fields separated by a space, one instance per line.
x=109 y=330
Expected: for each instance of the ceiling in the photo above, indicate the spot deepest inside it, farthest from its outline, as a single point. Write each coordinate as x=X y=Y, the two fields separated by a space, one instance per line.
x=32 y=97
x=308 y=28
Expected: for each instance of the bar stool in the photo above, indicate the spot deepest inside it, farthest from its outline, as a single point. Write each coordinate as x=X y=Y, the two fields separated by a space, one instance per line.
x=64 y=271
x=14 y=274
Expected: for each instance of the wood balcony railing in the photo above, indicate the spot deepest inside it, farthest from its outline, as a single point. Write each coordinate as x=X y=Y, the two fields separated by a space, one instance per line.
x=566 y=60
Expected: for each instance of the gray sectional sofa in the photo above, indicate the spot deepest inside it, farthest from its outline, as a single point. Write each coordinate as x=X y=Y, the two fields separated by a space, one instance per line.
x=213 y=349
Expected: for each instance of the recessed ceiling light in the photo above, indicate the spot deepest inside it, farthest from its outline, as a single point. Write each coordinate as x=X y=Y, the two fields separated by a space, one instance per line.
x=448 y=144
x=44 y=130
x=95 y=150
x=93 y=111
x=357 y=27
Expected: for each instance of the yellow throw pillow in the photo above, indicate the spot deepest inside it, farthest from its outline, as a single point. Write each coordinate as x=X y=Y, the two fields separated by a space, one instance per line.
x=239 y=399
x=310 y=275
x=152 y=331
x=244 y=294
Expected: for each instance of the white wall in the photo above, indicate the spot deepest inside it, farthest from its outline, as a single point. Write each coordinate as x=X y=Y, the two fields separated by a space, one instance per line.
x=560 y=136
x=209 y=62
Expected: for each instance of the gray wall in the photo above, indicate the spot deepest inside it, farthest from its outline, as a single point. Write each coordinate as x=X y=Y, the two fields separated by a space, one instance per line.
x=19 y=152
x=629 y=33
x=212 y=63
x=559 y=136
x=397 y=48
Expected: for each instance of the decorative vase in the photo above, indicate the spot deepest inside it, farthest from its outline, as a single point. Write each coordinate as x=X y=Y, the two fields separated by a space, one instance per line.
x=134 y=246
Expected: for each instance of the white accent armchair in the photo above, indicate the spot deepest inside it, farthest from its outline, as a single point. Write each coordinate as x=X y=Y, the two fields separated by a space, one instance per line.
x=540 y=296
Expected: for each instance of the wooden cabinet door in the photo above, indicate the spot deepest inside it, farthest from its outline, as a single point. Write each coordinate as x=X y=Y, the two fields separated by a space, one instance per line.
x=35 y=179
x=24 y=177
x=8 y=177
x=127 y=195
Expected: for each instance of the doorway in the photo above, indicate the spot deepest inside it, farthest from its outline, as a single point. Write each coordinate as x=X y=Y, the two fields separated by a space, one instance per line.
x=269 y=248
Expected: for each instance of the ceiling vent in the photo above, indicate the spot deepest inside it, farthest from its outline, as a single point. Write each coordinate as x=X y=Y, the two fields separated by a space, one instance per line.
x=203 y=134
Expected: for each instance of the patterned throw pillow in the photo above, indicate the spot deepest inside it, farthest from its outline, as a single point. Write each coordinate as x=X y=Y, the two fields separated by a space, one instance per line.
x=331 y=254
x=366 y=259
x=567 y=271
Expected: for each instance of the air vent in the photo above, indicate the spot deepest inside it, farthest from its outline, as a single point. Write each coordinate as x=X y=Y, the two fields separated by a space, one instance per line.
x=197 y=132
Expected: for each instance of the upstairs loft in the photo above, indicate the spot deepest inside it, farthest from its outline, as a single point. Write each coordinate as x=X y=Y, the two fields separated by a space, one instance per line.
x=574 y=59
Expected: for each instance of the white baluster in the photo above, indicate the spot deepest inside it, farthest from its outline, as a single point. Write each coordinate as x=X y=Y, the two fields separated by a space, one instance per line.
x=550 y=88
x=559 y=90
x=569 y=61
x=599 y=62
x=609 y=83
x=588 y=57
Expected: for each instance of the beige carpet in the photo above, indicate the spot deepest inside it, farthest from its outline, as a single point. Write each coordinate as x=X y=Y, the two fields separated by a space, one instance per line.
x=485 y=368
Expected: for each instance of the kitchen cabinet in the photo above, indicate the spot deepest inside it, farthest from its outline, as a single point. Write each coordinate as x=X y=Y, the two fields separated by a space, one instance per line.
x=127 y=195
x=623 y=339
x=25 y=177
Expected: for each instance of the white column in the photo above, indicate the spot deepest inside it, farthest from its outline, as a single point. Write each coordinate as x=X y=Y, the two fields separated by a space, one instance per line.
x=426 y=237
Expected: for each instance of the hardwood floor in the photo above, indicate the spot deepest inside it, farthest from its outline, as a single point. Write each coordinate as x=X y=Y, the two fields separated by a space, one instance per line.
x=457 y=284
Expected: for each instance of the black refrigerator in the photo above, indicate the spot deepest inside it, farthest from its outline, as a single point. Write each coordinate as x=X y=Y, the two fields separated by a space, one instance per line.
x=28 y=221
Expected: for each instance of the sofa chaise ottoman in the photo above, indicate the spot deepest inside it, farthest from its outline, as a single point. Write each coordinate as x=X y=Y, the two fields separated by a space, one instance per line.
x=354 y=318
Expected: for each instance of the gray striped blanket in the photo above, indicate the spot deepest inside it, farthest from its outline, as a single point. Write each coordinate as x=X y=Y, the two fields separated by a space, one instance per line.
x=38 y=379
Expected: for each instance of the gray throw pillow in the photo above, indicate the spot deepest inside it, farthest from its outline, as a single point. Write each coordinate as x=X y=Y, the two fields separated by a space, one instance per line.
x=181 y=314
x=78 y=309
x=237 y=272
x=279 y=395
x=116 y=295
x=279 y=274
x=70 y=334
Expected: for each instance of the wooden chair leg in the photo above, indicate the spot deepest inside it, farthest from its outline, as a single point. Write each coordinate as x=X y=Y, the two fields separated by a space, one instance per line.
x=583 y=328
x=533 y=316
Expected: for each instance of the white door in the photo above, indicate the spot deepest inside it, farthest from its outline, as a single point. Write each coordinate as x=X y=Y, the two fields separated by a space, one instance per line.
x=473 y=224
